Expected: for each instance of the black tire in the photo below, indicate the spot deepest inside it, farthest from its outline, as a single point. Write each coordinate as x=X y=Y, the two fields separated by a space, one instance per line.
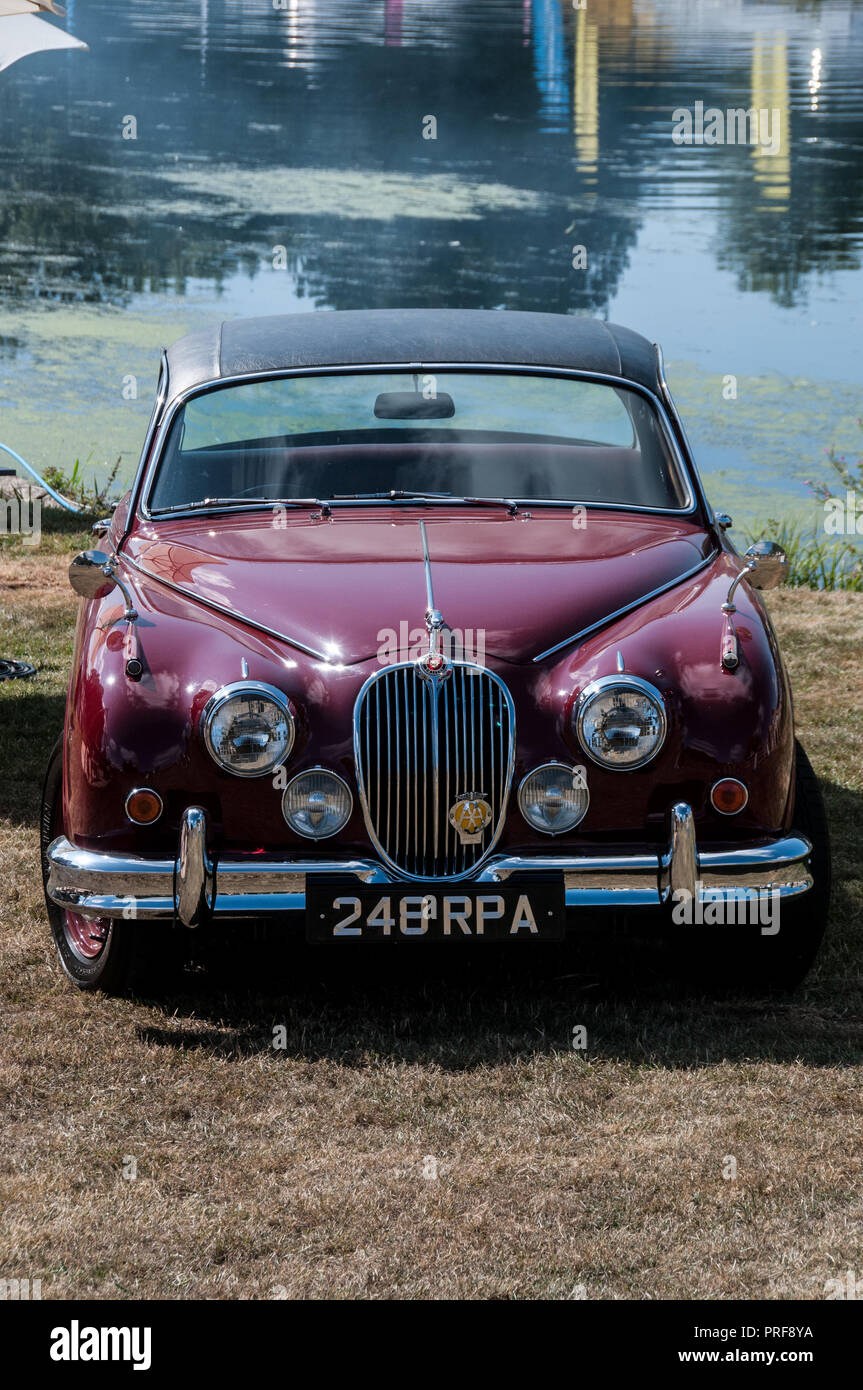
x=745 y=959
x=783 y=961
x=131 y=957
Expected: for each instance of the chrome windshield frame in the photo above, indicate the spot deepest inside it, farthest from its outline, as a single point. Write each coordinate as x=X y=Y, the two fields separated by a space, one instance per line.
x=675 y=442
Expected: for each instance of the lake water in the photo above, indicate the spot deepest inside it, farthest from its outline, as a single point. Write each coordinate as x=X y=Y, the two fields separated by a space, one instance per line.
x=280 y=164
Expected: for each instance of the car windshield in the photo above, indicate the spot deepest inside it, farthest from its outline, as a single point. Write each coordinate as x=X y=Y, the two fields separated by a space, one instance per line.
x=453 y=433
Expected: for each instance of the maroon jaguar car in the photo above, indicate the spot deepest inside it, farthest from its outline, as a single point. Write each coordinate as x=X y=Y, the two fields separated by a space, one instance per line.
x=417 y=625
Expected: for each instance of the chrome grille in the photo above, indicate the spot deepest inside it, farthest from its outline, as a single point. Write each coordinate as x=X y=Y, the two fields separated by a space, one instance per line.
x=420 y=744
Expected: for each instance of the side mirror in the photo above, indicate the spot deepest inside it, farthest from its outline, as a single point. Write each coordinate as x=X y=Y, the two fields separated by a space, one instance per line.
x=93 y=574
x=90 y=574
x=766 y=565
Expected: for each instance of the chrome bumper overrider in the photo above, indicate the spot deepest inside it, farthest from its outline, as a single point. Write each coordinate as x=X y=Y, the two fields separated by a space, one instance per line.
x=194 y=888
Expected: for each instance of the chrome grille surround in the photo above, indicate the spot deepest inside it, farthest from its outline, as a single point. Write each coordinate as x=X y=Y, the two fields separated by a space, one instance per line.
x=422 y=740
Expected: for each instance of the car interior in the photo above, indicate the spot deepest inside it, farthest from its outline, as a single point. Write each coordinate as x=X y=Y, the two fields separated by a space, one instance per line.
x=339 y=466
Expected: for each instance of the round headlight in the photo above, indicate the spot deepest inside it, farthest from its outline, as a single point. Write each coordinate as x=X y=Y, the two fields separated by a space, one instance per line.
x=248 y=728
x=554 y=798
x=317 y=804
x=620 y=721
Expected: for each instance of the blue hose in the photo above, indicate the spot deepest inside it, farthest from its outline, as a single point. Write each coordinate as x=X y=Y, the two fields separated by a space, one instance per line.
x=63 y=501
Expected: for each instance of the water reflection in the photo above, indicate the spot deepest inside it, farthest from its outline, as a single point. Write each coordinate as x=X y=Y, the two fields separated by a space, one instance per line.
x=585 y=97
x=770 y=93
x=550 y=66
x=553 y=121
x=393 y=30
x=815 y=78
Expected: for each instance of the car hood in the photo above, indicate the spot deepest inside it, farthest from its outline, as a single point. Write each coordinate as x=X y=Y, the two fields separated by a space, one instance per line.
x=349 y=585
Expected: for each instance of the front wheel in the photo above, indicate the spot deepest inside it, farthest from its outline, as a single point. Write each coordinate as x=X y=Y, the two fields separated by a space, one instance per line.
x=781 y=961
x=750 y=959
x=100 y=953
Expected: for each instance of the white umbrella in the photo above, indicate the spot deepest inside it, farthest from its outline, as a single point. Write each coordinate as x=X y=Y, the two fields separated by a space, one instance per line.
x=22 y=31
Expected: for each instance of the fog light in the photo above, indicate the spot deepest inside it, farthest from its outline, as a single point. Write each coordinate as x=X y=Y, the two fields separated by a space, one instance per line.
x=317 y=804
x=728 y=796
x=143 y=806
x=554 y=798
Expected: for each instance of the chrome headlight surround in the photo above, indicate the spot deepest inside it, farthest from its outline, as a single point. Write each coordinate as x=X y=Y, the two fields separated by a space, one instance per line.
x=307 y=832
x=605 y=686
x=263 y=691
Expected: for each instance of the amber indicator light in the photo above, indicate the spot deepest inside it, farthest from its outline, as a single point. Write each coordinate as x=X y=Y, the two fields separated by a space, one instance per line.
x=729 y=796
x=144 y=806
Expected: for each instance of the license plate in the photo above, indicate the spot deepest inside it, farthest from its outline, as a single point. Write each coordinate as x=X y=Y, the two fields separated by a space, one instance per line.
x=344 y=910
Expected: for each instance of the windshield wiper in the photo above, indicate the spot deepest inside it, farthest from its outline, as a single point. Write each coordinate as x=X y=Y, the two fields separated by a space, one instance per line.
x=401 y=495
x=394 y=495
x=210 y=503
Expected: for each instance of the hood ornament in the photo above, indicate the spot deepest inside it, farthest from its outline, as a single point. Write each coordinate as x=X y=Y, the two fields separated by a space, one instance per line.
x=433 y=662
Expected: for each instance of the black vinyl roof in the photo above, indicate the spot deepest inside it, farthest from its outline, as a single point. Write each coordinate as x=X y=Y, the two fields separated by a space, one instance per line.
x=357 y=337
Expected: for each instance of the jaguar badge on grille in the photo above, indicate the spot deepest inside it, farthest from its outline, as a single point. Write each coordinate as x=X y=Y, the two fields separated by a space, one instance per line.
x=470 y=816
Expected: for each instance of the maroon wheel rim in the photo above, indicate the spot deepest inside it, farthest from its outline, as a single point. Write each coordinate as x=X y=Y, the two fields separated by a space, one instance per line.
x=87 y=936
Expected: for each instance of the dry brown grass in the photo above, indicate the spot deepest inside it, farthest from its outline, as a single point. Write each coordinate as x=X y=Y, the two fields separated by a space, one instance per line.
x=264 y=1173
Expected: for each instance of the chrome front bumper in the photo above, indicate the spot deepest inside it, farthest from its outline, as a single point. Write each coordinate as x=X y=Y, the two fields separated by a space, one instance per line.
x=194 y=888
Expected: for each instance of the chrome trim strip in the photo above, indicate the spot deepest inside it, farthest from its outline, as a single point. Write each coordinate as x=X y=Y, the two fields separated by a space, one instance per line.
x=430 y=605
x=155 y=418
x=685 y=446
x=96 y=884
x=226 y=612
x=99 y=885
x=629 y=607
x=500 y=868
x=162 y=386
x=345 y=504
x=788 y=850
x=696 y=500
x=274 y=876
